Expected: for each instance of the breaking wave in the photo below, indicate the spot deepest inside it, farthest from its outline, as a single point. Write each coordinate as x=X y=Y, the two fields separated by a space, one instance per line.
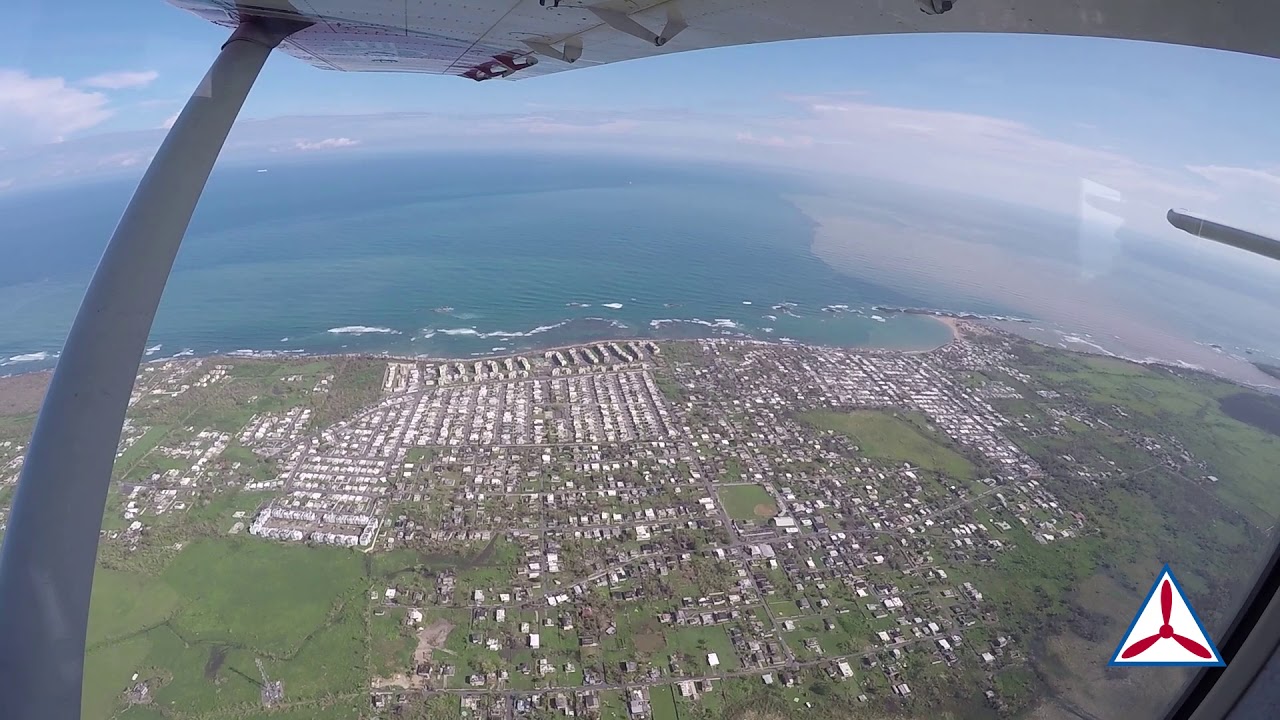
x=30 y=357
x=722 y=323
x=472 y=332
x=362 y=330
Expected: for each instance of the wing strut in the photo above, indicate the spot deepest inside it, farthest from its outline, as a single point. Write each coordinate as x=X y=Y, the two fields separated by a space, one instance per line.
x=624 y=23
x=46 y=565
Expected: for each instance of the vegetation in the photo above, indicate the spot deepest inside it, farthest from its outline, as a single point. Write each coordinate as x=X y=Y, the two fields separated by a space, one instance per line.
x=748 y=502
x=197 y=628
x=269 y=596
x=1260 y=411
x=895 y=437
x=357 y=383
x=1143 y=503
x=671 y=388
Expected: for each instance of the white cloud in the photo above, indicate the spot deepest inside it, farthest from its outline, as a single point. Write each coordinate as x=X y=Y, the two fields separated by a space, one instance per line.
x=779 y=141
x=1238 y=178
x=1243 y=197
x=326 y=144
x=45 y=109
x=169 y=121
x=1005 y=160
x=125 y=159
x=541 y=125
x=829 y=134
x=121 y=80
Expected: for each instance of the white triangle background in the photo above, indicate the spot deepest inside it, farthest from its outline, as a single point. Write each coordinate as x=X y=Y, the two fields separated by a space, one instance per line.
x=1166 y=650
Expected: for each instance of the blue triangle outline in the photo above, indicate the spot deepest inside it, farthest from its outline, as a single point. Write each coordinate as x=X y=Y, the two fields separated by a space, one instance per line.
x=1217 y=656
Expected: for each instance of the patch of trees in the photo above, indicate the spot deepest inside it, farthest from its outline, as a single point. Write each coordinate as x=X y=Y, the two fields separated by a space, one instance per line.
x=1088 y=624
x=1260 y=411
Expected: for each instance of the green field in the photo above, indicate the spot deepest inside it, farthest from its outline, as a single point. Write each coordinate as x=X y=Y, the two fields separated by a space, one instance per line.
x=748 y=502
x=124 y=603
x=17 y=428
x=357 y=383
x=391 y=643
x=195 y=630
x=268 y=596
x=896 y=438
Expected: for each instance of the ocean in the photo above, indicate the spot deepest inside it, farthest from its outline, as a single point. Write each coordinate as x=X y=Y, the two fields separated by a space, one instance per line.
x=469 y=254
x=454 y=255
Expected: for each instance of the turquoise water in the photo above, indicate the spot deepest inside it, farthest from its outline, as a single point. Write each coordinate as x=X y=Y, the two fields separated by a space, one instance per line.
x=452 y=255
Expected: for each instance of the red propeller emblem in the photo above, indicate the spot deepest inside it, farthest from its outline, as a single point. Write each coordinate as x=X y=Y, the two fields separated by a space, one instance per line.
x=1166 y=630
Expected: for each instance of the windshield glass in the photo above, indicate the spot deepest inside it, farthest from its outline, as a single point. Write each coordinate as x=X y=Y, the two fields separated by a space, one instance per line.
x=696 y=386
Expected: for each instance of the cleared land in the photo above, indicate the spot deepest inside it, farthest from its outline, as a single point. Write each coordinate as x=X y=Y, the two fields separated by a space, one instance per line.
x=196 y=629
x=891 y=437
x=259 y=594
x=748 y=502
x=22 y=394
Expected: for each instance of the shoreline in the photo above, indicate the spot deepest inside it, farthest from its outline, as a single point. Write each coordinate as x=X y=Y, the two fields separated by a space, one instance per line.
x=541 y=349
x=959 y=328
x=678 y=330
x=951 y=323
x=956 y=323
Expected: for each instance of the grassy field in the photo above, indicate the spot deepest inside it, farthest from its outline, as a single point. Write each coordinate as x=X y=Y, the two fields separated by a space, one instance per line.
x=357 y=383
x=125 y=603
x=662 y=702
x=107 y=673
x=220 y=508
x=748 y=502
x=260 y=594
x=195 y=630
x=671 y=389
x=253 y=386
x=892 y=437
x=391 y=643
x=17 y=428
x=123 y=608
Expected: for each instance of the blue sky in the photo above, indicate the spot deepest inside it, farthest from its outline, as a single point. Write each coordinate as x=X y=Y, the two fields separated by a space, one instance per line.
x=1167 y=123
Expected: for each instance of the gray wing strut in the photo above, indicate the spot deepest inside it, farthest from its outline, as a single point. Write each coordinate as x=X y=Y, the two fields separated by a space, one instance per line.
x=47 y=561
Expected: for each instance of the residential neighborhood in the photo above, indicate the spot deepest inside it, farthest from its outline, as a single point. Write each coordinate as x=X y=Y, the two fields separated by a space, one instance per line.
x=695 y=487
x=643 y=529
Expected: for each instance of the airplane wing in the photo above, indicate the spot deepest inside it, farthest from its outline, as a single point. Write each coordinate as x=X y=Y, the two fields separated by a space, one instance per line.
x=1225 y=234
x=488 y=39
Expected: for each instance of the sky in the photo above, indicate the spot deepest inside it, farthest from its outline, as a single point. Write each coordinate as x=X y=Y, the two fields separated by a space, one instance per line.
x=87 y=88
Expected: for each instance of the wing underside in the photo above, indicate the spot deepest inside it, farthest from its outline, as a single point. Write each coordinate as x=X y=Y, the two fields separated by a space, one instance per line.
x=486 y=39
